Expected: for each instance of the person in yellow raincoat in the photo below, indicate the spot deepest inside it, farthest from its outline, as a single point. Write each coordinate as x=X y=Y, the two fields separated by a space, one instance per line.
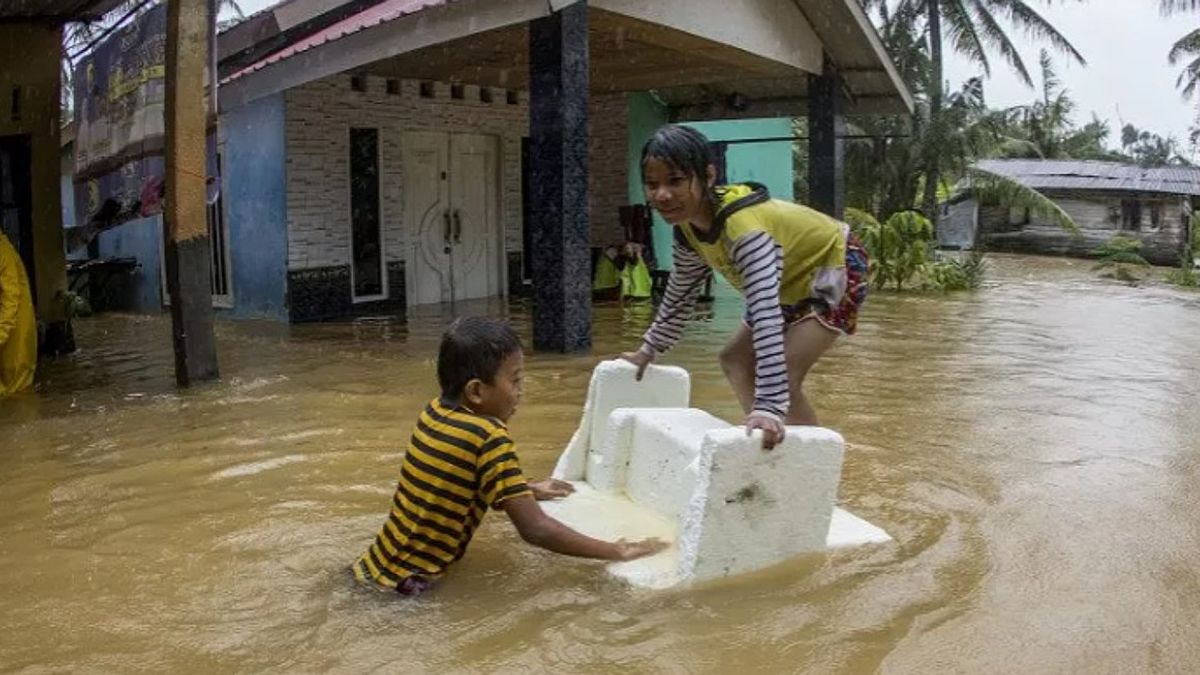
x=635 y=276
x=18 y=326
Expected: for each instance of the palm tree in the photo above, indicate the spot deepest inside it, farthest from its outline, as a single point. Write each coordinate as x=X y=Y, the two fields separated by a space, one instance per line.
x=973 y=28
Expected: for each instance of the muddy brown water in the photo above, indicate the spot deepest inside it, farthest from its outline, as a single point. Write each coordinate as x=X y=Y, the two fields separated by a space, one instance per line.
x=1033 y=448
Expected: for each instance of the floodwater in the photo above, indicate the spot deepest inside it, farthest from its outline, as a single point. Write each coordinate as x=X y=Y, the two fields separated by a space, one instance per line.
x=1033 y=447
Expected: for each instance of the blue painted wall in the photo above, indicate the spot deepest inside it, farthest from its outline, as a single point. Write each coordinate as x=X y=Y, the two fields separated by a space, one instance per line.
x=141 y=239
x=255 y=197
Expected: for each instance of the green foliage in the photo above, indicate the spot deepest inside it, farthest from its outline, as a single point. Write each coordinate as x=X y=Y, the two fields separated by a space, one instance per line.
x=1185 y=275
x=1119 y=257
x=899 y=247
x=957 y=274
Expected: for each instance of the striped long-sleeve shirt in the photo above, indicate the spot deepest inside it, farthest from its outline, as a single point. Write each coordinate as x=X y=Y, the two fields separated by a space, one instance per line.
x=759 y=260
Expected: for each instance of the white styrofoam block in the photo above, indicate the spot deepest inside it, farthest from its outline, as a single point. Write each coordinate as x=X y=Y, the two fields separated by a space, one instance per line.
x=847 y=530
x=760 y=507
x=613 y=385
x=664 y=461
x=648 y=466
x=607 y=465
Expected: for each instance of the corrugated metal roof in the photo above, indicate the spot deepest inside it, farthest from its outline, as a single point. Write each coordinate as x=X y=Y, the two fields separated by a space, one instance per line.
x=1090 y=175
x=388 y=10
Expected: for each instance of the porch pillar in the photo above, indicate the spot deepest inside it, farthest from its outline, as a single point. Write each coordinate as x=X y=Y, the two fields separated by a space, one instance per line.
x=561 y=232
x=826 y=154
x=186 y=231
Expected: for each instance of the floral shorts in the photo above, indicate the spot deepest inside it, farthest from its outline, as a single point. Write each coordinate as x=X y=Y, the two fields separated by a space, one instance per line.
x=843 y=317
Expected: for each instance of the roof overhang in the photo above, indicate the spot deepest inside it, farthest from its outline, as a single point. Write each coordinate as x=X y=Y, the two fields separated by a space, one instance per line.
x=695 y=53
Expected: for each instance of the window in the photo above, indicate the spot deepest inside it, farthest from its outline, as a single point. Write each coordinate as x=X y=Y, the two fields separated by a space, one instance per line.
x=218 y=239
x=366 y=252
x=393 y=86
x=1156 y=214
x=456 y=91
x=358 y=83
x=427 y=89
x=1131 y=214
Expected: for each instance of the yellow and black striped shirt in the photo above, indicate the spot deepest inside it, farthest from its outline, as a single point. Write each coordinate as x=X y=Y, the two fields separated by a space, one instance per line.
x=457 y=465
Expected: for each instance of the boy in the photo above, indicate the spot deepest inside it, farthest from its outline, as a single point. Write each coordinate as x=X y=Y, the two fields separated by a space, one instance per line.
x=461 y=461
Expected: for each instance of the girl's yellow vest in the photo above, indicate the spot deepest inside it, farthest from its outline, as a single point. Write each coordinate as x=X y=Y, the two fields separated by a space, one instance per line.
x=811 y=241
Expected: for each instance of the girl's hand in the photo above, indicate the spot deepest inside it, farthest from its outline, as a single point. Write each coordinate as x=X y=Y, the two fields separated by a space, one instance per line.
x=640 y=359
x=551 y=488
x=773 y=429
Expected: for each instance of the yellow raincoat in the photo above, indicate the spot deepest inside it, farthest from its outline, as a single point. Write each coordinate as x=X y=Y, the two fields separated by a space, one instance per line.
x=18 y=327
x=635 y=279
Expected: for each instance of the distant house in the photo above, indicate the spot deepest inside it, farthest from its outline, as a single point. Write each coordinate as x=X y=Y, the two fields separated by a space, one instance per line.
x=1152 y=205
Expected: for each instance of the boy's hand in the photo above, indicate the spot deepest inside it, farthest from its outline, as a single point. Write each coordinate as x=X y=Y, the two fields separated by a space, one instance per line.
x=632 y=550
x=551 y=488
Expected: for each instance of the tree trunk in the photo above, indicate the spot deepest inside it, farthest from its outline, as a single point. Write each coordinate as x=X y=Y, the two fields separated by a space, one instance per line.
x=934 y=133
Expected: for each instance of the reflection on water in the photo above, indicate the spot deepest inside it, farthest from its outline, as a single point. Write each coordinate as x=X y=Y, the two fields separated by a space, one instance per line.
x=1032 y=447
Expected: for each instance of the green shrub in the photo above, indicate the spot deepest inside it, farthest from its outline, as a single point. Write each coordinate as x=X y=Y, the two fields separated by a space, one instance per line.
x=1119 y=257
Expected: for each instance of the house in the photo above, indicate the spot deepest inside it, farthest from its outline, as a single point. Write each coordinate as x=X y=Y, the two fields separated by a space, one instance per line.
x=1105 y=199
x=30 y=169
x=379 y=156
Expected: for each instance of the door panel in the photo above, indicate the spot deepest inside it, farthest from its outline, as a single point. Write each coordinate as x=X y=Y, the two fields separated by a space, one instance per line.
x=473 y=207
x=426 y=207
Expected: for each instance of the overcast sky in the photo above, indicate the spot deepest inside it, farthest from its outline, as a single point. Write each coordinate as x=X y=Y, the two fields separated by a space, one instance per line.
x=1127 y=78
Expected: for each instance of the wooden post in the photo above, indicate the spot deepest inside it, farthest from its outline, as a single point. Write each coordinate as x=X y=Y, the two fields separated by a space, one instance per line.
x=826 y=155
x=185 y=229
x=558 y=125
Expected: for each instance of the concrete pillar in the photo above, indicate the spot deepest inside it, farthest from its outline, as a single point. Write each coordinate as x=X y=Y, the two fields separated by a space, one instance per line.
x=558 y=124
x=826 y=154
x=185 y=228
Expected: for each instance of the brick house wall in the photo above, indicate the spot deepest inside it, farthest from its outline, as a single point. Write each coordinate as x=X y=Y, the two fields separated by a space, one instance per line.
x=318 y=117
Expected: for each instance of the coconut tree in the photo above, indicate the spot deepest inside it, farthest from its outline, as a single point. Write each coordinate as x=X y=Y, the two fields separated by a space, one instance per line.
x=974 y=28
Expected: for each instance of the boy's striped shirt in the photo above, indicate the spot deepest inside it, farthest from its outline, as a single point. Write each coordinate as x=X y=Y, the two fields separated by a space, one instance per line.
x=458 y=464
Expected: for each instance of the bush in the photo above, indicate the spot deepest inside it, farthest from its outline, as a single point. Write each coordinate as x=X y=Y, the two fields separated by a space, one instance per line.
x=1119 y=257
x=901 y=250
x=957 y=274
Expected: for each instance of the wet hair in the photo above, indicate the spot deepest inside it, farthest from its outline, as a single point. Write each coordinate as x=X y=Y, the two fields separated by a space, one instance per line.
x=473 y=348
x=682 y=148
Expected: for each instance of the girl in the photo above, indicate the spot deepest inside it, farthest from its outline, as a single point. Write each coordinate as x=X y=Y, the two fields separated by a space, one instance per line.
x=803 y=275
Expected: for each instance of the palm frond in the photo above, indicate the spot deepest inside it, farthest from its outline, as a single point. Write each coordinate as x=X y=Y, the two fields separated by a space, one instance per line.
x=1169 y=7
x=1034 y=24
x=995 y=34
x=963 y=36
x=1187 y=45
